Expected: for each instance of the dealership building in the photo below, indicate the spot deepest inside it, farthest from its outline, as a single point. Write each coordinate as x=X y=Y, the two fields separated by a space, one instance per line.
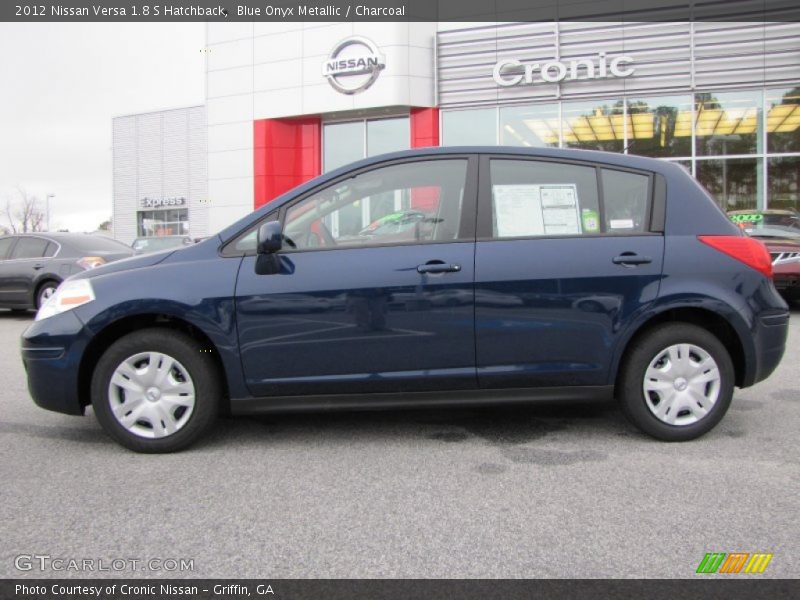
x=288 y=101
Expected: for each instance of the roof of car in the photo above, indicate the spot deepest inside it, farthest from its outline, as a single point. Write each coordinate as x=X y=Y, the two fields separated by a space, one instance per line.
x=613 y=158
x=61 y=235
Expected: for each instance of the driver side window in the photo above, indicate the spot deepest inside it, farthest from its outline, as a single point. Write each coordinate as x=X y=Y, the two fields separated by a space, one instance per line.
x=417 y=202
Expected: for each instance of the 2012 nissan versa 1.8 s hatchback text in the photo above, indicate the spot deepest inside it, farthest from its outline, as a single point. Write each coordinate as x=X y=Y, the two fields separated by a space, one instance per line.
x=553 y=274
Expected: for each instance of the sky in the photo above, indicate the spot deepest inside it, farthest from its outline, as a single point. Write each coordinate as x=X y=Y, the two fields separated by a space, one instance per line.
x=60 y=86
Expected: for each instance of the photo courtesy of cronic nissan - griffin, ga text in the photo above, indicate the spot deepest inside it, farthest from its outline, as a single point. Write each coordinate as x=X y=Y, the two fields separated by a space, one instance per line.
x=504 y=275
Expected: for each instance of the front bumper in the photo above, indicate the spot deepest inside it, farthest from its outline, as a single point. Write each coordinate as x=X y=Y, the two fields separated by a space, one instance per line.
x=51 y=352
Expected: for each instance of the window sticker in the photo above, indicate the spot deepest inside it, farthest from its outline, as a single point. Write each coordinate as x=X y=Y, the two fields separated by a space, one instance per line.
x=560 y=209
x=590 y=220
x=533 y=210
x=621 y=224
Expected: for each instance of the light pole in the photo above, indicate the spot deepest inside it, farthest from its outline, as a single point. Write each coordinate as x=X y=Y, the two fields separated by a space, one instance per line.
x=47 y=208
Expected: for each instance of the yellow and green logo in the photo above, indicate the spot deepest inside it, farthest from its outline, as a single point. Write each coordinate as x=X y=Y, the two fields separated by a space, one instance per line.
x=734 y=562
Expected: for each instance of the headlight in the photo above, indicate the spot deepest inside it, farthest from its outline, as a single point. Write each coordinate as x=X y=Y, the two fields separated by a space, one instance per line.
x=69 y=295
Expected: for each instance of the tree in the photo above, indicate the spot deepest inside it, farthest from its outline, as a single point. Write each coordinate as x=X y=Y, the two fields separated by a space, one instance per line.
x=106 y=225
x=23 y=213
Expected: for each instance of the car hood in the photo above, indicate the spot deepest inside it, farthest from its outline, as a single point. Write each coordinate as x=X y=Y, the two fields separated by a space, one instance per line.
x=126 y=264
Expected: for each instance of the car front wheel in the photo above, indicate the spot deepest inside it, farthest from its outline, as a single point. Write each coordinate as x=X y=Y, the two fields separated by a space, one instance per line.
x=677 y=382
x=45 y=292
x=155 y=391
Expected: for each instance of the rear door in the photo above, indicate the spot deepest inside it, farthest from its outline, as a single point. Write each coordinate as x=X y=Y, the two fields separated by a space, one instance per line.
x=566 y=255
x=6 y=245
x=27 y=259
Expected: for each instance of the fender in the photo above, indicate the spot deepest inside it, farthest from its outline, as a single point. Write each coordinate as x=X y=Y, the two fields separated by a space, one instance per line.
x=206 y=303
x=663 y=304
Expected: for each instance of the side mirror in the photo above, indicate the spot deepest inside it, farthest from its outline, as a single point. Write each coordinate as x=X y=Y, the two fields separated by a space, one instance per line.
x=270 y=238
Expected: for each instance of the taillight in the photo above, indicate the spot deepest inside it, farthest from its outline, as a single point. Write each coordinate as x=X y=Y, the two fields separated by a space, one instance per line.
x=91 y=262
x=745 y=249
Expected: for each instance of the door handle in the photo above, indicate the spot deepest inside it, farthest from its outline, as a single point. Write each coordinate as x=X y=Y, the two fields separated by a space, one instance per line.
x=630 y=259
x=438 y=267
x=38 y=266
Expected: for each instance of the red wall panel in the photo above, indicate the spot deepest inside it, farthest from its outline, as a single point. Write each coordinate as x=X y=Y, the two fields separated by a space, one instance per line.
x=424 y=127
x=286 y=153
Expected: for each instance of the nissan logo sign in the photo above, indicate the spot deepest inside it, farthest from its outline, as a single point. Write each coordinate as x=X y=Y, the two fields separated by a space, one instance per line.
x=353 y=65
x=507 y=73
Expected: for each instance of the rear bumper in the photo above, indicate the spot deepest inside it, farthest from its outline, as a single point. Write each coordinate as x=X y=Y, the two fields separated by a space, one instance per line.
x=769 y=334
x=51 y=352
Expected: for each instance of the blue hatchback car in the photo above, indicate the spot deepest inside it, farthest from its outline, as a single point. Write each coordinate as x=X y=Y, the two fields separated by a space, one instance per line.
x=530 y=274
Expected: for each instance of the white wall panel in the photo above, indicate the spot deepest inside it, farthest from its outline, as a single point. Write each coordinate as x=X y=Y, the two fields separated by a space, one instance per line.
x=278 y=75
x=231 y=163
x=230 y=136
x=277 y=47
x=159 y=155
x=227 y=82
x=230 y=109
x=227 y=55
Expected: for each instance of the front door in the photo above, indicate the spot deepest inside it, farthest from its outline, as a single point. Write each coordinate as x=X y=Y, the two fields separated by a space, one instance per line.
x=566 y=256
x=375 y=288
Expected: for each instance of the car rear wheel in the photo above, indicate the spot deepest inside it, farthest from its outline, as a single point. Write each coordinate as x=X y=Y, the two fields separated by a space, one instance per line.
x=677 y=382
x=43 y=294
x=155 y=391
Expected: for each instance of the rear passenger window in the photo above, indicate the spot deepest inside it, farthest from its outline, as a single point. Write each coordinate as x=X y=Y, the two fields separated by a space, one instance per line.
x=5 y=246
x=29 y=247
x=541 y=198
x=625 y=196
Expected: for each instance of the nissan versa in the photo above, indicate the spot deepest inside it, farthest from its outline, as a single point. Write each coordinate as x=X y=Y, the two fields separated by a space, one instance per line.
x=531 y=274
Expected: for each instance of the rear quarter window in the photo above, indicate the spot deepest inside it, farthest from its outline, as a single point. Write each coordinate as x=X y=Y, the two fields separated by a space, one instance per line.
x=625 y=197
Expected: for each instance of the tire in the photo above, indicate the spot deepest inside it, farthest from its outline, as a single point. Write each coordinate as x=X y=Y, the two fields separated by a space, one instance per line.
x=45 y=290
x=193 y=378
x=696 y=402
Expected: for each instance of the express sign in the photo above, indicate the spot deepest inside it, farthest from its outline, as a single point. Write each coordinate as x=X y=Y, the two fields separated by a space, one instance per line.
x=507 y=73
x=162 y=202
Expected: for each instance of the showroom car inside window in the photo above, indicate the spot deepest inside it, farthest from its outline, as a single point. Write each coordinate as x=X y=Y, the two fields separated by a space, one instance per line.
x=401 y=203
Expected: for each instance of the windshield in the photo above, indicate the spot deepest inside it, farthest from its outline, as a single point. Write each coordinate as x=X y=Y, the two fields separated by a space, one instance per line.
x=774 y=232
x=95 y=244
x=154 y=244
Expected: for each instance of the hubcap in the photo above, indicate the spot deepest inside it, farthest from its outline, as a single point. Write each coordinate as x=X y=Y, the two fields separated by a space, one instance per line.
x=681 y=384
x=151 y=395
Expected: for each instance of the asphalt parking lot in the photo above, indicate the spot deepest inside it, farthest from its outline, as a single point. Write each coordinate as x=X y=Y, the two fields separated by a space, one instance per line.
x=538 y=491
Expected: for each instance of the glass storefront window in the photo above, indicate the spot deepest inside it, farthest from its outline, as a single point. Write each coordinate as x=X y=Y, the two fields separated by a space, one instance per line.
x=470 y=127
x=388 y=135
x=597 y=125
x=342 y=143
x=784 y=183
x=533 y=126
x=660 y=126
x=783 y=120
x=163 y=222
x=728 y=123
x=735 y=183
x=351 y=141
